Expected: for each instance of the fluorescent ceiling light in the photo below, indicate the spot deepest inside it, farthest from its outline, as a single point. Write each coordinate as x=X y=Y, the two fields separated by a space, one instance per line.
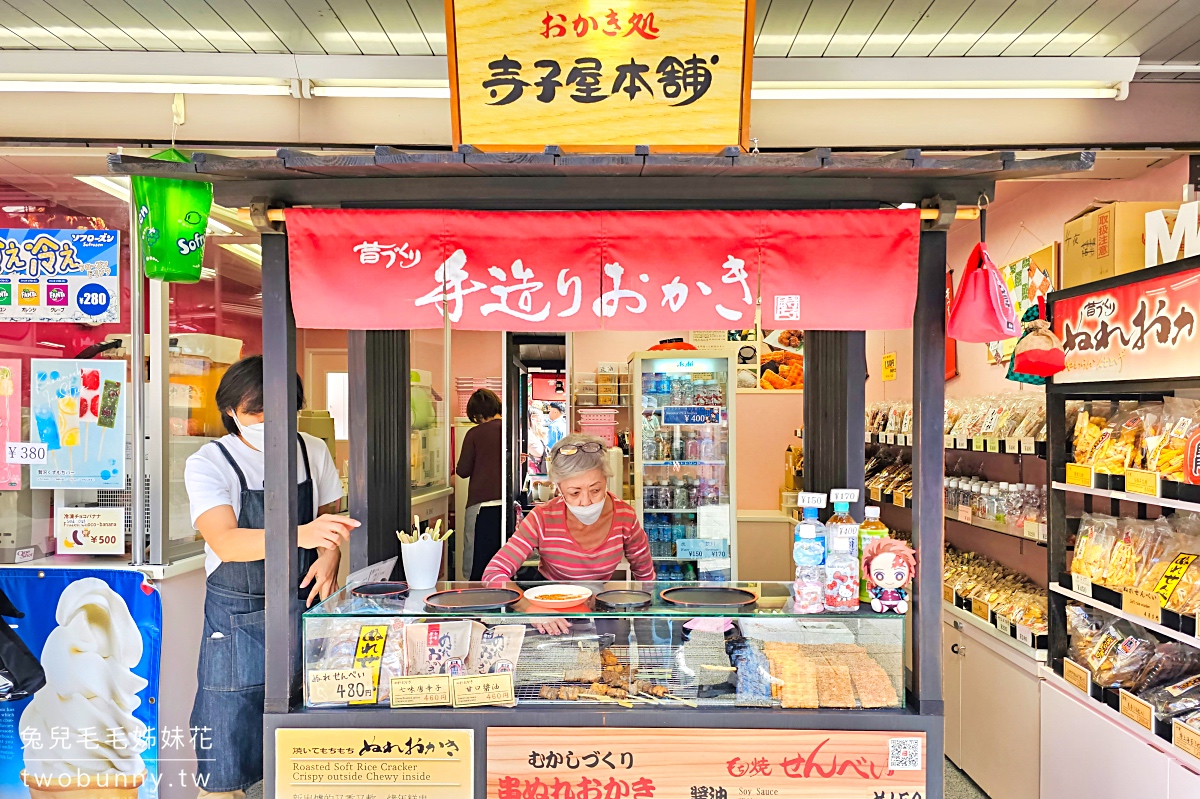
x=251 y=252
x=424 y=92
x=133 y=87
x=117 y=187
x=938 y=93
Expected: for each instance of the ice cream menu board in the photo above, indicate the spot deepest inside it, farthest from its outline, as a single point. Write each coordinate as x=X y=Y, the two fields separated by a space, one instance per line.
x=77 y=409
x=684 y=763
x=92 y=729
x=374 y=763
x=60 y=276
x=10 y=420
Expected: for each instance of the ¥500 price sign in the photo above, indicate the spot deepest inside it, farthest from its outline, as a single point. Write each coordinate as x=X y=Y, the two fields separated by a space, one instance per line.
x=24 y=453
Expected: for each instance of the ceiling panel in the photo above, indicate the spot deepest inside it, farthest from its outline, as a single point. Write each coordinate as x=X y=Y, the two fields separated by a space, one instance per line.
x=431 y=16
x=1158 y=29
x=1011 y=24
x=1169 y=48
x=1085 y=26
x=779 y=27
x=323 y=23
x=401 y=25
x=159 y=14
x=938 y=20
x=856 y=28
x=282 y=20
x=249 y=25
x=1049 y=24
x=95 y=23
x=1129 y=22
x=29 y=30
x=202 y=17
x=970 y=27
x=49 y=18
x=131 y=22
x=820 y=23
x=899 y=20
x=360 y=20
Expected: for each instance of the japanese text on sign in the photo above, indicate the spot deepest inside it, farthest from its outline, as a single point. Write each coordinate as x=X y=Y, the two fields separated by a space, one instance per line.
x=59 y=276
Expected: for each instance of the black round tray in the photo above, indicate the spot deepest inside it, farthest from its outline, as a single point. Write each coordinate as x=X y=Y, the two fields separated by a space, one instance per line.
x=384 y=590
x=709 y=597
x=473 y=599
x=624 y=599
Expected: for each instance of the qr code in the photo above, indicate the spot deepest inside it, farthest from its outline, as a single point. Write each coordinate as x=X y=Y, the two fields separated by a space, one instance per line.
x=787 y=307
x=904 y=754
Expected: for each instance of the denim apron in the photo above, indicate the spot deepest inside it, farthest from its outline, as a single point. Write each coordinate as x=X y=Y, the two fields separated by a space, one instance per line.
x=228 y=713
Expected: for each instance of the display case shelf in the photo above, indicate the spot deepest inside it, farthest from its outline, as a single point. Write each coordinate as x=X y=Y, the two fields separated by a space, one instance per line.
x=982 y=524
x=1115 y=610
x=1125 y=496
x=1007 y=640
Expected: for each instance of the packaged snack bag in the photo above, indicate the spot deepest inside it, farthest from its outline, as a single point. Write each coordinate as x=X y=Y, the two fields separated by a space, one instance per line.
x=1089 y=432
x=1166 y=456
x=1093 y=545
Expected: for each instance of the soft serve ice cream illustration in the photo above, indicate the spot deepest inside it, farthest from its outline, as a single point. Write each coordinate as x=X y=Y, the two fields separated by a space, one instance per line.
x=91 y=693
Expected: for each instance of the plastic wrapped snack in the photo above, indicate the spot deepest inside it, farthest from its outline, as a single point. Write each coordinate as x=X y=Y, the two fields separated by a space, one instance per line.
x=1120 y=653
x=951 y=416
x=972 y=415
x=1089 y=430
x=1139 y=543
x=1120 y=445
x=1176 y=699
x=1180 y=418
x=1084 y=627
x=1170 y=662
x=495 y=649
x=333 y=642
x=1093 y=545
x=1033 y=421
x=439 y=648
x=1175 y=573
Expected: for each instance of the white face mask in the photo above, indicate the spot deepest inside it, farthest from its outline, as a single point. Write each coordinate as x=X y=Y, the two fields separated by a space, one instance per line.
x=588 y=514
x=253 y=434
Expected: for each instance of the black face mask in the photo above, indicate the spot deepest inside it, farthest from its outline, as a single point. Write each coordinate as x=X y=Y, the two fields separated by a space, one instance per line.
x=21 y=674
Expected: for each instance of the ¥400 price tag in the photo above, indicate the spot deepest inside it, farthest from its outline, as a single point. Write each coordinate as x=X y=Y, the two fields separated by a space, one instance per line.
x=24 y=453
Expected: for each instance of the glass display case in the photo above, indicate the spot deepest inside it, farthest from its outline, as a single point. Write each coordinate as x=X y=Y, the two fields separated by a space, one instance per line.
x=683 y=462
x=625 y=650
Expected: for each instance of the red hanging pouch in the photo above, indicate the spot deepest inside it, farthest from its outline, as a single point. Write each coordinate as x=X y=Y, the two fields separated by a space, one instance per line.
x=982 y=310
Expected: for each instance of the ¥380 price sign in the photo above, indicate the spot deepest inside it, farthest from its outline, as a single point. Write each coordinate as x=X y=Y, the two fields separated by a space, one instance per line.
x=19 y=452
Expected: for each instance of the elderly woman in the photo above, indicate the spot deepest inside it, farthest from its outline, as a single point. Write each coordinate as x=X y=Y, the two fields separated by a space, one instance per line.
x=583 y=533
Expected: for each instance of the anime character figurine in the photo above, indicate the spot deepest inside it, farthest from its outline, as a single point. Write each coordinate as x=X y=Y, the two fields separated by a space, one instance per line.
x=890 y=565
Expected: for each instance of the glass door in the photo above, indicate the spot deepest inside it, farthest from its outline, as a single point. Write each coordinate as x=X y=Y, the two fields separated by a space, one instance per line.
x=684 y=481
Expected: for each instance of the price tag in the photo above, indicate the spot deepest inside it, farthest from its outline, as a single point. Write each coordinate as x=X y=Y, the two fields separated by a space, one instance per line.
x=697 y=548
x=981 y=609
x=1081 y=585
x=1030 y=530
x=962 y=442
x=947 y=594
x=1077 y=676
x=947 y=442
x=1078 y=475
x=1024 y=635
x=691 y=414
x=1185 y=737
x=484 y=689
x=1140 y=481
x=429 y=691
x=1142 y=603
x=977 y=444
x=964 y=514
x=867 y=440
x=1139 y=710
x=889 y=438
x=993 y=444
x=18 y=452
x=340 y=686
x=1012 y=445
x=1003 y=625
x=1027 y=446
x=1042 y=534
x=876 y=495
x=843 y=495
x=808 y=499
x=898 y=499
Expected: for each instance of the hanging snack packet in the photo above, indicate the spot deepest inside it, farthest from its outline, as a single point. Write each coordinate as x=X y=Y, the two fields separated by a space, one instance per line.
x=495 y=649
x=1089 y=432
x=1181 y=417
x=438 y=648
x=1120 y=445
x=1093 y=545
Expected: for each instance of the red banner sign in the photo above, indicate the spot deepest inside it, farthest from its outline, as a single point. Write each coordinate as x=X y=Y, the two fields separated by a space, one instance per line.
x=616 y=270
x=1139 y=331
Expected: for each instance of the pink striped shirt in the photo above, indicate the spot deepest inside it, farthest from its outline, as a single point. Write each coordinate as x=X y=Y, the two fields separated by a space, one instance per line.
x=563 y=560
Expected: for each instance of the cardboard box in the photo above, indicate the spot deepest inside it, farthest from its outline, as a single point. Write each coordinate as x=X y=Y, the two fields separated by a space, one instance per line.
x=1106 y=239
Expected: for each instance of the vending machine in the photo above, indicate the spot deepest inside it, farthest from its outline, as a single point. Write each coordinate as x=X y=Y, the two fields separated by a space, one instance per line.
x=683 y=464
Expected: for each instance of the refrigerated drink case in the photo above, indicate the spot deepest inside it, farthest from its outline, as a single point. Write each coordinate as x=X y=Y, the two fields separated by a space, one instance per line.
x=683 y=462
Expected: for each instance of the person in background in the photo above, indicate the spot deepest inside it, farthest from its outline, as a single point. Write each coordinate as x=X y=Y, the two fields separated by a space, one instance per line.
x=224 y=481
x=480 y=460
x=537 y=446
x=557 y=428
x=583 y=533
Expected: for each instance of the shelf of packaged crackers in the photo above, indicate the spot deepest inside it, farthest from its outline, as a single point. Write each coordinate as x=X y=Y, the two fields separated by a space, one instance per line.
x=1019 y=638
x=1031 y=531
x=997 y=600
x=1138 y=605
x=988 y=444
x=1006 y=423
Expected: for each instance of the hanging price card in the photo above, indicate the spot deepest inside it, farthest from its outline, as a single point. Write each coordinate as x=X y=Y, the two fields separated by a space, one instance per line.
x=485 y=689
x=1139 y=710
x=691 y=414
x=1003 y=625
x=981 y=609
x=340 y=686
x=1027 y=446
x=1030 y=530
x=964 y=514
x=993 y=444
x=977 y=444
x=427 y=691
x=698 y=548
x=1186 y=738
x=1140 y=481
x=947 y=594
x=1081 y=585
x=1077 y=675
x=1012 y=445
x=876 y=495
x=962 y=442
x=1078 y=475
x=889 y=438
x=898 y=499
x=1142 y=603
x=947 y=442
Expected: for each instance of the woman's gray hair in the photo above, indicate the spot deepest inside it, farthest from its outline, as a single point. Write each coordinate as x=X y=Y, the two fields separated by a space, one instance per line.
x=565 y=466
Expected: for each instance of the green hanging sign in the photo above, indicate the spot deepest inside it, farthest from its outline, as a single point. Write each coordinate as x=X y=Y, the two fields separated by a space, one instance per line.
x=172 y=219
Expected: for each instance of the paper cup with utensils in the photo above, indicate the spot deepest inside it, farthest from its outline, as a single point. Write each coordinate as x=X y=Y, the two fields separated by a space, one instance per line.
x=422 y=561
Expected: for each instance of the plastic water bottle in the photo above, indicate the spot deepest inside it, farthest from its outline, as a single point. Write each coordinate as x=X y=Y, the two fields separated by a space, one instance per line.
x=810 y=517
x=808 y=554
